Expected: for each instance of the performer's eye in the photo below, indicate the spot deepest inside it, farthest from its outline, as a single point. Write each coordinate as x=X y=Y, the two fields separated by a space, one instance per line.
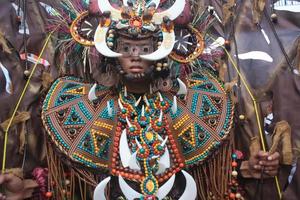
x=146 y=49
x=126 y=49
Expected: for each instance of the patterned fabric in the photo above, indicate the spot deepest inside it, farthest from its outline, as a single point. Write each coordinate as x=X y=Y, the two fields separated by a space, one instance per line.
x=86 y=133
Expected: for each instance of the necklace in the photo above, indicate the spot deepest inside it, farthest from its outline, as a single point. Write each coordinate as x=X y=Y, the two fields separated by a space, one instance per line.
x=146 y=129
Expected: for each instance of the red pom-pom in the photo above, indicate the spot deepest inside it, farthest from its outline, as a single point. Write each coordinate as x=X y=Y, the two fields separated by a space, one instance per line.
x=48 y=194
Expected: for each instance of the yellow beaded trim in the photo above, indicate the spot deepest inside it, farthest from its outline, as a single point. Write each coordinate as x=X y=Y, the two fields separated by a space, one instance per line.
x=181 y=122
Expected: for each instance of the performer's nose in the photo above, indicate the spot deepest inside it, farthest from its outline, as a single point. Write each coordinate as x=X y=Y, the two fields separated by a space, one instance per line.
x=135 y=51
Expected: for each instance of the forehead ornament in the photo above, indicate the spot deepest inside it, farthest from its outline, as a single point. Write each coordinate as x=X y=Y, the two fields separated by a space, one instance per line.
x=134 y=18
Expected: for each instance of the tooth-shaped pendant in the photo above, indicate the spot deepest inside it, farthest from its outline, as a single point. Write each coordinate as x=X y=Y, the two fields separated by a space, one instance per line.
x=137 y=102
x=120 y=104
x=146 y=100
x=92 y=93
x=125 y=92
x=128 y=122
x=182 y=87
x=109 y=109
x=161 y=99
x=174 y=106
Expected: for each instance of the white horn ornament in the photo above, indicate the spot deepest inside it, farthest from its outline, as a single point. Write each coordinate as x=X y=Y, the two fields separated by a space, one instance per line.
x=109 y=109
x=104 y=5
x=172 y=13
x=182 y=87
x=190 y=191
x=164 y=190
x=131 y=194
x=138 y=102
x=133 y=164
x=164 y=161
x=157 y=2
x=128 y=192
x=160 y=116
x=92 y=93
x=99 y=190
x=174 y=106
x=124 y=151
x=165 y=48
x=100 y=42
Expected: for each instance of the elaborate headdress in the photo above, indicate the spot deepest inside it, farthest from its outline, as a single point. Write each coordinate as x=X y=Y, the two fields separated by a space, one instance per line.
x=135 y=19
x=179 y=36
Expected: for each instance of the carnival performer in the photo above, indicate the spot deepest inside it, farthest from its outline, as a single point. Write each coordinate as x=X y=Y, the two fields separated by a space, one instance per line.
x=144 y=131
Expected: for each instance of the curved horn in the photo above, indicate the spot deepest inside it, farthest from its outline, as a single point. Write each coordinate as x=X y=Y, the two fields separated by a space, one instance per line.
x=164 y=161
x=173 y=12
x=190 y=191
x=100 y=42
x=165 y=48
x=156 y=2
x=124 y=150
x=128 y=192
x=182 y=87
x=104 y=5
x=92 y=93
x=164 y=190
x=133 y=164
x=99 y=190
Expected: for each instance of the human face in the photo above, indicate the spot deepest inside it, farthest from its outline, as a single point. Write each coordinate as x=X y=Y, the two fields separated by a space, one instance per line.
x=130 y=60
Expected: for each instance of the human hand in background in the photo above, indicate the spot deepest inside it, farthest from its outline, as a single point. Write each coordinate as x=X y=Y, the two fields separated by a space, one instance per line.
x=268 y=162
x=13 y=186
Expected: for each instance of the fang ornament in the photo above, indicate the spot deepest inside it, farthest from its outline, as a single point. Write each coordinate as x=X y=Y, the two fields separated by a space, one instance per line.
x=99 y=190
x=128 y=192
x=190 y=191
x=174 y=106
x=120 y=104
x=92 y=93
x=109 y=109
x=164 y=190
x=133 y=164
x=182 y=87
x=124 y=151
x=137 y=102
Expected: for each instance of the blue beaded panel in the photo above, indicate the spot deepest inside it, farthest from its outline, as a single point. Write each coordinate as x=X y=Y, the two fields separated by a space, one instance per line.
x=68 y=117
x=203 y=122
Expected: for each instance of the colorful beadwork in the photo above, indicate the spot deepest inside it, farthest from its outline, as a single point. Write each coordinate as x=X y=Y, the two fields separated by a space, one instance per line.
x=90 y=134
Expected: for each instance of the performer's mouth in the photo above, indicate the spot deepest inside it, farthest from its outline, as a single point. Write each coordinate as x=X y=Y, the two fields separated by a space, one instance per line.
x=136 y=69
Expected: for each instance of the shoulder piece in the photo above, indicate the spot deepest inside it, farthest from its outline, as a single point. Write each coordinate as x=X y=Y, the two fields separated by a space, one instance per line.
x=203 y=118
x=80 y=128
